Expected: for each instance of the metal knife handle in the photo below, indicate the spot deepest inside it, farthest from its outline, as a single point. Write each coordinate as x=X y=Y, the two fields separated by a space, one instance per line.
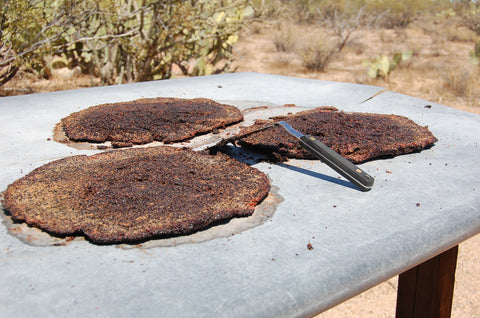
x=337 y=162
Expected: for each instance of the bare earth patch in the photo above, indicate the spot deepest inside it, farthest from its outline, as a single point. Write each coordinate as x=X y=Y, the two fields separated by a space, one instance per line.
x=438 y=55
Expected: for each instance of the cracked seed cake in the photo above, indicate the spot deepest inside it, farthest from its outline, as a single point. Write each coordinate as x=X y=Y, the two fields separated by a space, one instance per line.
x=135 y=194
x=145 y=120
x=357 y=136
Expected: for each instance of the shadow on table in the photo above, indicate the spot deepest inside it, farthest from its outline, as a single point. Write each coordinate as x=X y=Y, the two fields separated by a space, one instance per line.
x=251 y=157
x=321 y=176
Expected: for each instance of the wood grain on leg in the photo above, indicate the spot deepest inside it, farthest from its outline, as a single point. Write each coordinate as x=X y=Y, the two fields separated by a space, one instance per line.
x=426 y=290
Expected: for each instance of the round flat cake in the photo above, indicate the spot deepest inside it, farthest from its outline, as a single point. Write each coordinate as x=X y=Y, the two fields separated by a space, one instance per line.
x=135 y=194
x=357 y=136
x=145 y=120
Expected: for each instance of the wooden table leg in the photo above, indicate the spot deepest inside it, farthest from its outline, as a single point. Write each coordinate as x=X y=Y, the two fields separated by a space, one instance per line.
x=426 y=291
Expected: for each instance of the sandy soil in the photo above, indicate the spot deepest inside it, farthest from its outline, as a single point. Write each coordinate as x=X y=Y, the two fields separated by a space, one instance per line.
x=439 y=53
x=380 y=301
x=440 y=56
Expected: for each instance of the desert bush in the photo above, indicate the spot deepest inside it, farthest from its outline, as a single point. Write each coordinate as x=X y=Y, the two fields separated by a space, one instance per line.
x=461 y=83
x=475 y=53
x=162 y=34
x=7 y=68
x=399 y=14
x=471 y=18
x=393 y=20
x=459 y=34
x=29 y=28
x=284 y=38
x=283 y=61
x=341 y=23
x=317 y=53
x=128 y=40
x=388 y=13
x=329 y=10
x=306 y=9
x=269 y=9
x=340 y=19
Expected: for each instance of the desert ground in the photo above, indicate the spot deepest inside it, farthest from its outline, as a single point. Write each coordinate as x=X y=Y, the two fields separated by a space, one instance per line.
x=438 y=70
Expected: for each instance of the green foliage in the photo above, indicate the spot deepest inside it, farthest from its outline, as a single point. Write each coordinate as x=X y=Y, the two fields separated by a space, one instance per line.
x=127 y=40
x=386 y=13
x=471 y=17
x=393 y=13
x=447 y=13
x=268 y=9
x=310 y=10
x=143 y=41
x=382 y=67
x=28 y=28
x=396 y=14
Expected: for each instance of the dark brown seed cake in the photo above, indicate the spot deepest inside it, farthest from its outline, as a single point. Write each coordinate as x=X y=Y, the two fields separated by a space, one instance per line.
x=357 y=136
x=135 y=194
x=145 y=120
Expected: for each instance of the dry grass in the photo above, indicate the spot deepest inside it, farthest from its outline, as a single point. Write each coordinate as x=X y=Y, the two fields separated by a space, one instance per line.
x=26 y=82
x=425 y=75
x=460 y=34
x=317 y=52
x=461 y=83
x=285 y=38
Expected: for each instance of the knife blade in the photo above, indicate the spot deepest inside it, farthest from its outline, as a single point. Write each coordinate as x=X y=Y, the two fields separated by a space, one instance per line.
x=337 y=162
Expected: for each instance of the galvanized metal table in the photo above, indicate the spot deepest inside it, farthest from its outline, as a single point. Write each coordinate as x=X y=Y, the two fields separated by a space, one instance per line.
x=420 y=208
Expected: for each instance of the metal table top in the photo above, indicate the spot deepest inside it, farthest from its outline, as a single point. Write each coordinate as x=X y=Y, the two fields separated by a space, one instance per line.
x=421 y=205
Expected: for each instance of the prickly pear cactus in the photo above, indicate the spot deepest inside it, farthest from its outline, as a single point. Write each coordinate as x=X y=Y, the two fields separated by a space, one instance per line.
x=382 y=67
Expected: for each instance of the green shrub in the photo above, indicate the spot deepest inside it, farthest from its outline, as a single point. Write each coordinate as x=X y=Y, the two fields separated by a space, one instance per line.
x=178 y=32
x=270 y=9
x=382 y=66
x=471 y=18
x=399 y=14
x=28 y=29
x=125 y=41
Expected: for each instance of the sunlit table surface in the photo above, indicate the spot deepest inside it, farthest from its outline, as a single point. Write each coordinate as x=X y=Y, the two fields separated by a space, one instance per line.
x=421 y=205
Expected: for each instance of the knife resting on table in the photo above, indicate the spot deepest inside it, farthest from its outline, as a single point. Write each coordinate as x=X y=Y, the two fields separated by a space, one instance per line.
x=334 y=160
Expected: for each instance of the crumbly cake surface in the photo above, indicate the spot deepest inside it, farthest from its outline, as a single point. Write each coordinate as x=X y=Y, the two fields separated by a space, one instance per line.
x=357 y=136
x=135 y=194
x=145 y=120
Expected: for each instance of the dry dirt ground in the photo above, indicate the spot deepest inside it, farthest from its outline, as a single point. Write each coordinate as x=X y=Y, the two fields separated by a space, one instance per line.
x=439 y=71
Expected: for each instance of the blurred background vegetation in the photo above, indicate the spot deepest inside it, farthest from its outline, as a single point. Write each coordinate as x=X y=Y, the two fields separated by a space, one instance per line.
x=119 y=41
x=422 y=41
x=126 y=41
x=389 y=13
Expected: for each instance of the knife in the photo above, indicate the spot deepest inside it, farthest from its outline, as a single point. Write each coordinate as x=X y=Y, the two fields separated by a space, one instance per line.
x=334 y=160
